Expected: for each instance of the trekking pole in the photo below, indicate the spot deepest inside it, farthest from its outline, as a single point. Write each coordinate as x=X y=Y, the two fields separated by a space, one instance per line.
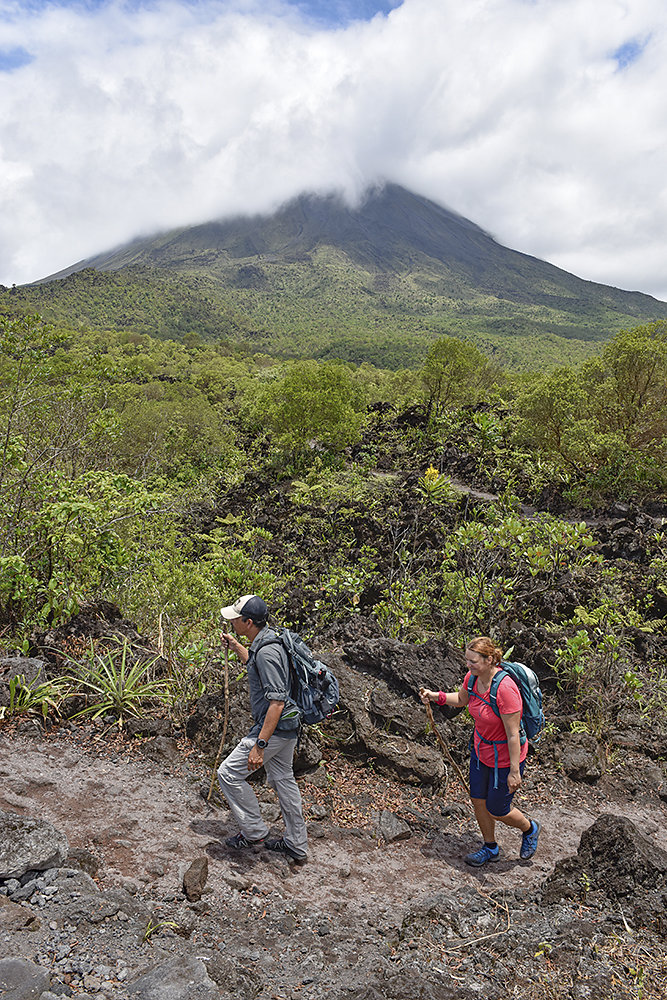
x=224 y=725
x=444 y=747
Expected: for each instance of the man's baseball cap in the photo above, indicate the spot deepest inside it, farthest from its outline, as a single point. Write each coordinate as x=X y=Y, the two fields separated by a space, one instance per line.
x=248 y=606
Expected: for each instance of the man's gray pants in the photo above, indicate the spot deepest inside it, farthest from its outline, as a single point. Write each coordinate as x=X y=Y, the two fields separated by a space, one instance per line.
x=278 y=757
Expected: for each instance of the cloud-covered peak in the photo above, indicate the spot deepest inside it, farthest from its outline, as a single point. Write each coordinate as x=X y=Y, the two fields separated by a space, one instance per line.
x=539 y=121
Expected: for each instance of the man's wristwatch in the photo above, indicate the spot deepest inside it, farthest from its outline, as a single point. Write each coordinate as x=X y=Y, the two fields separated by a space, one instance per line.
x=262 y=744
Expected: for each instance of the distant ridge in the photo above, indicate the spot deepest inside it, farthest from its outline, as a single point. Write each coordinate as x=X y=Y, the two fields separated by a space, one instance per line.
x=378 y=282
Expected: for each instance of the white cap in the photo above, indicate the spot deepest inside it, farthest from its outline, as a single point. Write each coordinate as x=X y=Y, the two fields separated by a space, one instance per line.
x=248 y=606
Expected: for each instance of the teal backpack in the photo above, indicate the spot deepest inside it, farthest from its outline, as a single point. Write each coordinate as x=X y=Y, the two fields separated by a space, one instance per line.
x=532 y=719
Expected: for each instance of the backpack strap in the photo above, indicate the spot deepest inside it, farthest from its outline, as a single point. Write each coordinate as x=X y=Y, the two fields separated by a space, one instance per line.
x=493 y=705
x=493 y=690
x=279 y=639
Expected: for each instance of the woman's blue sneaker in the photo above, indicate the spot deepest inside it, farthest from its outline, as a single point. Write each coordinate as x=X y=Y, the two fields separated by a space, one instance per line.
x=480 y=857
x=529 y=841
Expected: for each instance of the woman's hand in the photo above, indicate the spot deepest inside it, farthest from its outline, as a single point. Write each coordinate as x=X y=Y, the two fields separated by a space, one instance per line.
x=426 y=695
x=513 y=781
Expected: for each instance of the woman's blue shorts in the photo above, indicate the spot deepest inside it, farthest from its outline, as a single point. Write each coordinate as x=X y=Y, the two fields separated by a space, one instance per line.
x=498 y=800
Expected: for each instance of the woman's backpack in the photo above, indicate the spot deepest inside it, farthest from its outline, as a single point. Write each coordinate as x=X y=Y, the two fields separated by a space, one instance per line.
x=528 y=683
x=532 y=718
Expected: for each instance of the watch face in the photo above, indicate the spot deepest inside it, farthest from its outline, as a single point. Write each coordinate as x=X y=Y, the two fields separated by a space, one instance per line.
x=262 y=744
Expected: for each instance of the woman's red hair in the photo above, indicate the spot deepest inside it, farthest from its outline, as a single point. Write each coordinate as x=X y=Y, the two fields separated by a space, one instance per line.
x=485 y=647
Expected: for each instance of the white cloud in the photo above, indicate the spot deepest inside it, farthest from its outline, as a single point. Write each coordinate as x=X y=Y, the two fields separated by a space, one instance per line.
x=542 y=121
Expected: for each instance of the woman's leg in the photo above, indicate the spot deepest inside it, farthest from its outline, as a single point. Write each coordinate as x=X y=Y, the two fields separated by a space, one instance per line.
x=516 y=819
x=499 y=803
x=480 y=776
x=485 y=820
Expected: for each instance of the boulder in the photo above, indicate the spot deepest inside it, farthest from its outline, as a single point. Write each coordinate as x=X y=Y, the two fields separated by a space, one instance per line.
x=22 y=980
x=580 y=757
x=14 y=917
x=632 y=733
x=28 y=667
x=386 y=725
x=79 y=857
x=194 y=880
x=28 y=844
x=161 y=750
x=615 y=861
x=148 y=727
x=101 y=621
x=308 y=754
x=392 y=828
x=181 y=978
x=435 y=664
x=204 y=726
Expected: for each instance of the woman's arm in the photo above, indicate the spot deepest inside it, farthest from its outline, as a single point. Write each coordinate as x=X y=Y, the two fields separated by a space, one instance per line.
x=453 y=699
x=511 y=723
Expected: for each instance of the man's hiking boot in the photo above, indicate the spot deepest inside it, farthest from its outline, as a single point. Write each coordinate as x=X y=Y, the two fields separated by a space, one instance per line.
x=280 y=847
x=239 y=842
x=529 y=841
x=480 y=857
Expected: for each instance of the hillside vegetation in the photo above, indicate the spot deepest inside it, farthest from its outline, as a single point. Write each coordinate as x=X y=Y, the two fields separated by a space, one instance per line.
x=168 y=478
x=377 y=284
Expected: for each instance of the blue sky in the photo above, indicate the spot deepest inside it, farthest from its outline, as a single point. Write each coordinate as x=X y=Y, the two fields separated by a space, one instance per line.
x=13 y=58
x=540 y=120
x=629 y=52
x=327 y=12
x=322 y=13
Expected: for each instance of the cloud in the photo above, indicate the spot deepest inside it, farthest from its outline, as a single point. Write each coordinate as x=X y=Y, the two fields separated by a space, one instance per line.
x=541 y=121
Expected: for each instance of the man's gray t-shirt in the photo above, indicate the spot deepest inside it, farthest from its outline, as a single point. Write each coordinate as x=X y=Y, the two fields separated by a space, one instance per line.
x=269 y=680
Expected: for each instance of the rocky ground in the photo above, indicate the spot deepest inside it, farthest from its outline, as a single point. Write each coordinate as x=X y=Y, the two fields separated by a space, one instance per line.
x=100 y=832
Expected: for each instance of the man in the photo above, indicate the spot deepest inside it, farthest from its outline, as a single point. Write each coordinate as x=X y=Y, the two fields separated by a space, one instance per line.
x=272 y=739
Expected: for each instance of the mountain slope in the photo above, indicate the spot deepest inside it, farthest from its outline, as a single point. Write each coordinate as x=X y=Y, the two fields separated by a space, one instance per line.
x=319 y=278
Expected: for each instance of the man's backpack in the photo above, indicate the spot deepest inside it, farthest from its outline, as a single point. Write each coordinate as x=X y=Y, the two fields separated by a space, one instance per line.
x=528 y=683
x=314 y=687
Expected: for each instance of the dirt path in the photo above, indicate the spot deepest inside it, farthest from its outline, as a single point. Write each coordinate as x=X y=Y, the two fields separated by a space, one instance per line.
x=145 y=822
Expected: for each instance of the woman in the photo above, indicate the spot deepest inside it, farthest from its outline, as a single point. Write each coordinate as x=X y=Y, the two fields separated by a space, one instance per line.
x=498 y=751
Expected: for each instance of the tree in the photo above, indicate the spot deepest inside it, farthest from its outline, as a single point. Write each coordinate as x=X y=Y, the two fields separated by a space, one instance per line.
x=452 y=373
x=310 y=403
x=606 y=419
x=629 y=384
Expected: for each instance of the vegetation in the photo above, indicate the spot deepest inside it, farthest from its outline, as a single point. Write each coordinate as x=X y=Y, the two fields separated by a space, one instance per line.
x=166 y=477
x=115 y=685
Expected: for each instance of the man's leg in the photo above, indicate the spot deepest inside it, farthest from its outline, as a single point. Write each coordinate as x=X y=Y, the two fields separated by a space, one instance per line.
x=280 y=775
x=243 y=803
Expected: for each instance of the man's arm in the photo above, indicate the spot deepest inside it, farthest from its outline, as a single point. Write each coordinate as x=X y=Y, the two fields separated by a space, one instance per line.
x=256 y=755
x=231 y=642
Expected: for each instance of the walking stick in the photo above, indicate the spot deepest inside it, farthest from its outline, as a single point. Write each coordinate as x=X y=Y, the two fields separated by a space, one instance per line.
x=445 y=748
x=224 y=726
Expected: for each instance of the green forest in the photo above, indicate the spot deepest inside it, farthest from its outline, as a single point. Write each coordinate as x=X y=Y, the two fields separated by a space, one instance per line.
x=449 y=498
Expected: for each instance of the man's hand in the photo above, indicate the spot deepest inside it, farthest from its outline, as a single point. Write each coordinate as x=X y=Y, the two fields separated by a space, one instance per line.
x=231 y=642
x=255 y=758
